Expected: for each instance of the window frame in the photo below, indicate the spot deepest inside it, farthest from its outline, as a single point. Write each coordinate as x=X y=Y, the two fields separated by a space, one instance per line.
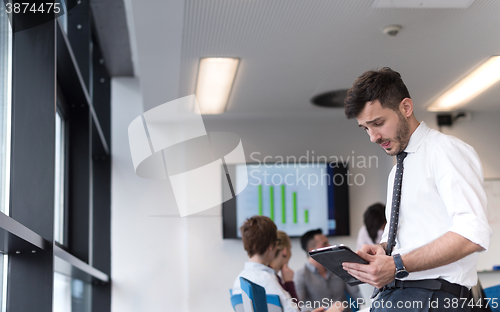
x=42 y=57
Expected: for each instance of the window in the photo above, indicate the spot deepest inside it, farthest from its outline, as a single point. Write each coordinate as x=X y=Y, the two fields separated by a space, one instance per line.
x=5 y=112
x=64 y=17
x=71 y=294
x=59 y=187
x=53 y=172
x=80 y=296
x=3 y=282
x=62 y=292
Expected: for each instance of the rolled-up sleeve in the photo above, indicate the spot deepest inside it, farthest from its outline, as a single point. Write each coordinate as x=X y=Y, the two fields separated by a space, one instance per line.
x=459 y=180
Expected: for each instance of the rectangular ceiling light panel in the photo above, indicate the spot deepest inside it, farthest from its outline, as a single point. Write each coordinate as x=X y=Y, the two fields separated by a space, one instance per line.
x=469 y=87
x=422 y=4
x=215 y=80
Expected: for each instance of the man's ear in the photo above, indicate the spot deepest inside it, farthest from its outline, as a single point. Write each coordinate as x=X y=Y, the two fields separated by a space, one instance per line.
x=406 y=107
x=284 y=252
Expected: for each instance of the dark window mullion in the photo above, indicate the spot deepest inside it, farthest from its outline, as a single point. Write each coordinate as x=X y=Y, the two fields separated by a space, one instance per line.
x=32 y=166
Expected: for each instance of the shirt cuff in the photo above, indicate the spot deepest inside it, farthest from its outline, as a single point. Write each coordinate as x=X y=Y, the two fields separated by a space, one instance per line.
x=477 y=232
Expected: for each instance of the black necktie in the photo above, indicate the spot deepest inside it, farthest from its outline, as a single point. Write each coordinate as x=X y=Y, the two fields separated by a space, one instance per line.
x=396 y=197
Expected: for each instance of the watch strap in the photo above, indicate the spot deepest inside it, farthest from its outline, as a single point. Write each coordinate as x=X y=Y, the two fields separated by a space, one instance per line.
x=399 y=262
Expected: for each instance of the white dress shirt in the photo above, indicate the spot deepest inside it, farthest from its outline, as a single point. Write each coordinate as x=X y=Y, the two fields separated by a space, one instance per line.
x=265 y=277
x=365 y=239
x=442 y=191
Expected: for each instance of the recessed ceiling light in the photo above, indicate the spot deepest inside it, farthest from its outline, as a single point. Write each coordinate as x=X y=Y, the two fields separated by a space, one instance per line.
x=469 y=87
x=215 y=80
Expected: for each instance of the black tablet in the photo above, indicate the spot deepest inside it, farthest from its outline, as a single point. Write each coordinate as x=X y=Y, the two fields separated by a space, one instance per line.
x=332 y=258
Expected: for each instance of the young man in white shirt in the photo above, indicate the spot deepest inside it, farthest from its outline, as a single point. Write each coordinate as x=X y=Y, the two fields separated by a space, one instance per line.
x=442 y=205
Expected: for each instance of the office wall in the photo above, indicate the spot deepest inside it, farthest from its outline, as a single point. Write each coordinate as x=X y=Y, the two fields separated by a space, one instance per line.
x=148 y=258
x=165 y=263
x=481 y=132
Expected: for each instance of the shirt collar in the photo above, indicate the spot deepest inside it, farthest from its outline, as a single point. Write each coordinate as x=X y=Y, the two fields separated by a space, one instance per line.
x=254 y=266
x=417 y=137
x=313 y=269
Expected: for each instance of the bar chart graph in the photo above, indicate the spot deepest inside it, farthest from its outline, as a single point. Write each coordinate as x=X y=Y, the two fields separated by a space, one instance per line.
x=294 y=206
x=283 y=205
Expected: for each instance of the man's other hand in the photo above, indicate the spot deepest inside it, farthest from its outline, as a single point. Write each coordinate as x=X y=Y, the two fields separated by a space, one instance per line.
x=372 y=249
x=333 y=308
x=378 y=272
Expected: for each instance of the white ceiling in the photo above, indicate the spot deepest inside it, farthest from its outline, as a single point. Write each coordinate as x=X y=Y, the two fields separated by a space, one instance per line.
x=291 y=50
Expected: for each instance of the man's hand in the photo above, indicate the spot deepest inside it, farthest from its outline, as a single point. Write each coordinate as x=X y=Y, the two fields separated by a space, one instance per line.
x=333 y=308
x=378 y=272
x=287 y=273
x=372 y=249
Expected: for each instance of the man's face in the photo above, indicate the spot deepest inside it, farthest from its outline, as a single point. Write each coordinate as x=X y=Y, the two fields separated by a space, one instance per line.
x=321 y=241
x=386 y=127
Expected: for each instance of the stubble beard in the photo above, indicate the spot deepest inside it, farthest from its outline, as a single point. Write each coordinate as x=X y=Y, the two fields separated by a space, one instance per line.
x=402 y=136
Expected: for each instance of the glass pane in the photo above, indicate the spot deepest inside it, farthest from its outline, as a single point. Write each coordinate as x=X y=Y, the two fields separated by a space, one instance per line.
x=59 y=181
x=5 y=94
x=3 y=282
x=64 y=18
x=62 y=293
x=80 y=296
x=71 y=295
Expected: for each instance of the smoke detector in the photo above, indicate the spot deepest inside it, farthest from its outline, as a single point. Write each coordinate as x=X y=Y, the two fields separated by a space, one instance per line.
x=392 y=30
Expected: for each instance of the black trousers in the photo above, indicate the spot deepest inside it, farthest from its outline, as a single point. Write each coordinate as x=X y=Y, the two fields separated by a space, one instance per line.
x=420 y=299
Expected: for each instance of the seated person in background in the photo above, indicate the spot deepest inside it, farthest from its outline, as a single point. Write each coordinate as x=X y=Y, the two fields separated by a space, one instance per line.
x=371 y=232
x=280 y=263
x=259 y=240
x=313 y=282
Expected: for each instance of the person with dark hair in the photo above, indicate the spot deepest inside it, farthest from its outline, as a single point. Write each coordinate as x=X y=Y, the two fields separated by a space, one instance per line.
x=259 y=240
x=374 y=223
x=437 y=217
x=314 y=283
x=311 y=238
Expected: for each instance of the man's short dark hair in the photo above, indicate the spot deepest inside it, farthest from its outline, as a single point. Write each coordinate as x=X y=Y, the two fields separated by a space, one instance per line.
x=307 y=237
x=384 y=85
x=258 y=233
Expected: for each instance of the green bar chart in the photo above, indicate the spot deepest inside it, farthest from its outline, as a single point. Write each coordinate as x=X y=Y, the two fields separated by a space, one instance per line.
x=261 y=208
x=271 y=204
x=295 y=207
x=281 y=199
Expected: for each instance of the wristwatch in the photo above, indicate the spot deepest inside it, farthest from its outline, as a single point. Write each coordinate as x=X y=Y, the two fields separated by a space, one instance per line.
x=400 y=268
